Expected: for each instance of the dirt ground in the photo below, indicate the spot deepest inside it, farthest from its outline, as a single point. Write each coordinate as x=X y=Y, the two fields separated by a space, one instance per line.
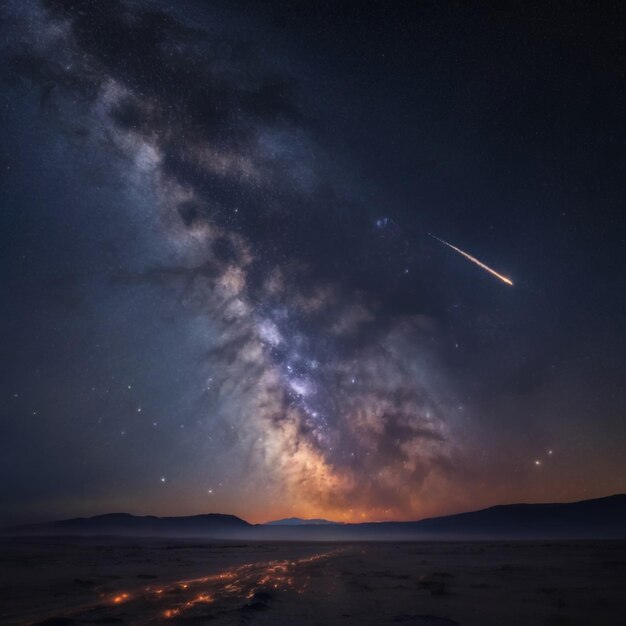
x=117 y=581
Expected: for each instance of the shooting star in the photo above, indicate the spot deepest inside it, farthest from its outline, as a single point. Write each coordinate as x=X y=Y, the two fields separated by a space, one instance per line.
x=504 y=279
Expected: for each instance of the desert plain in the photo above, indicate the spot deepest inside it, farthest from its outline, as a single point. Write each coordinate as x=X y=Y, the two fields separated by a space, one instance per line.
x=57 y=581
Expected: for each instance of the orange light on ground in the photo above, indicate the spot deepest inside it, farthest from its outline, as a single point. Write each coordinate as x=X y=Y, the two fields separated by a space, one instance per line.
x=122 y=597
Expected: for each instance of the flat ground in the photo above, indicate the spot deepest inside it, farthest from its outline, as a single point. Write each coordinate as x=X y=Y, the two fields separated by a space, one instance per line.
x=106 y=581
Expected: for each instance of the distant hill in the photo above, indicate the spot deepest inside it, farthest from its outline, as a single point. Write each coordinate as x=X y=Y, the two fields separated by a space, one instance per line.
x=594 y=519
x=602 y=518
x=298 y=521
x=212 y=524
x=598 y=518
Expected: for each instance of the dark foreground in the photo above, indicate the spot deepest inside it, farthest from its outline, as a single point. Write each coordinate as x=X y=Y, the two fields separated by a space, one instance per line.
x=106 y=581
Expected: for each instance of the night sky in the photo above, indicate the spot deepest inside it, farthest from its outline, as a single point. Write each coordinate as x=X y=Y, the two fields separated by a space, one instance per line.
x=219 y=292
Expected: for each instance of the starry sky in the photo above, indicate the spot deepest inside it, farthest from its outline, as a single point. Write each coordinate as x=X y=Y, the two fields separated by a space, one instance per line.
x=219 y=293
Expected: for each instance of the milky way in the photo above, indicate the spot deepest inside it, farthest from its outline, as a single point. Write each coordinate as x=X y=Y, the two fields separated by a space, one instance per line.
x=333 y=402
x=314 y=384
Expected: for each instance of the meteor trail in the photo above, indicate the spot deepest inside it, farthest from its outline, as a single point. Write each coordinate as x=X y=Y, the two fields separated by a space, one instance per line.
x=504 y=279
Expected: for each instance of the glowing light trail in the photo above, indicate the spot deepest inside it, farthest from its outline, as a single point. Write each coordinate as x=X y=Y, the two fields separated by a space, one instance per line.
x=504 y=279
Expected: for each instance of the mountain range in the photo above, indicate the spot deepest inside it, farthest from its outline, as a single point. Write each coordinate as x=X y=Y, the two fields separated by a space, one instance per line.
x=601 y=518
x=298 y=521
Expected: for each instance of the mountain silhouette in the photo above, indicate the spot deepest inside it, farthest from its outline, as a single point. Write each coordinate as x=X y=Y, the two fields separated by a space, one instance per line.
x=298 y=521
x=212 y=524
x=600 y=518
